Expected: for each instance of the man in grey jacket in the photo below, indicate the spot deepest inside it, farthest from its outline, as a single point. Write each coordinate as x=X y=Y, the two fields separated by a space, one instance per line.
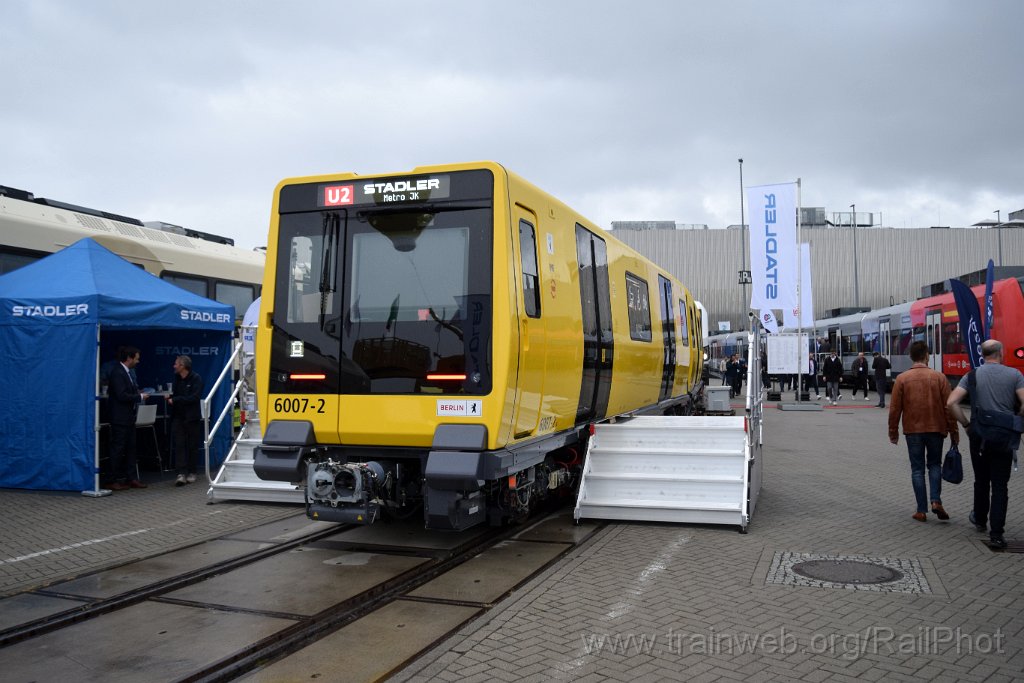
x=996 y=389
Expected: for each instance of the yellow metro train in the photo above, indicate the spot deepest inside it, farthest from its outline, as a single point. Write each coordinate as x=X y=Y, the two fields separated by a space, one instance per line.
x=444 y=338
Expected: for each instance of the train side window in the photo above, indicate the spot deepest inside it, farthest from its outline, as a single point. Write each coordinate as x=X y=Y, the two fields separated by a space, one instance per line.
x=191 y=284
x=239 y=296
x=638 y=307
x=10 y=262
x=531 y=280
x=684 y=329
x=951 y=341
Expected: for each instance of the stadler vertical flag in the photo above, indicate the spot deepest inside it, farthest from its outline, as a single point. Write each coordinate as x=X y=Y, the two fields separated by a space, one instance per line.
x=970 y=320
x=773 y=248
x=804 y=315
x=989 y=277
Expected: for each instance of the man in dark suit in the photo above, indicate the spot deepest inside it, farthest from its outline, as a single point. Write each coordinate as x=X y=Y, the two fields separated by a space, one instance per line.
x=124 y=399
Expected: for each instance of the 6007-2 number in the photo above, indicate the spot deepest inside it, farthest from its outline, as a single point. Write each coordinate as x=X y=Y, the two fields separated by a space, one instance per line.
x=298 y=405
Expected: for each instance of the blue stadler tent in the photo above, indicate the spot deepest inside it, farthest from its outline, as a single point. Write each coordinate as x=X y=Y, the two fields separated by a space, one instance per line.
x=59 y=318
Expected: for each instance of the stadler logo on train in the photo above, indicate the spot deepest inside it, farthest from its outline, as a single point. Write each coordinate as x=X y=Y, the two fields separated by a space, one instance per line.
x=402 y=186
x=50 y=311
x=204 y=316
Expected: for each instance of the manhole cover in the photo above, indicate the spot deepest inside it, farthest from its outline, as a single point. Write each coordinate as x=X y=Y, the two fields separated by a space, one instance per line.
x=846 y=571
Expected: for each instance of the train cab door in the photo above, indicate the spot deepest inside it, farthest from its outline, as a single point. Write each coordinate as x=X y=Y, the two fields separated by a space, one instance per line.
x=668 y=336
x=933 y=330
x=596 y=319
x=532 y=335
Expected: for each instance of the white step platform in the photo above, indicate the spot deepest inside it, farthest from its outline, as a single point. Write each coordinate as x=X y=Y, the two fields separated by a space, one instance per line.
x=237 y=479
x=691 y=469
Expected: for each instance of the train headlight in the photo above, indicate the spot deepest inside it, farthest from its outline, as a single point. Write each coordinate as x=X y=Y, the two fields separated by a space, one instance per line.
x=1019 y=353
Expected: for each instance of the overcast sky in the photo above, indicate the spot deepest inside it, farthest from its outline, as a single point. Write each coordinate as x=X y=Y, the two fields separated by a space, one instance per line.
x=190 y=112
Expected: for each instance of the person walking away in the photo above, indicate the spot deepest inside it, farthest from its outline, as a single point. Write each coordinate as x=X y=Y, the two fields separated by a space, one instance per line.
x=741 y=374
x=999 y=389
x=186 y=419
x=880 y=366
x=860 y=375
x=919 y=397
x=811 y=380
x=765 y=380
x=833 y=371
x=124 y=398
x=732 y=367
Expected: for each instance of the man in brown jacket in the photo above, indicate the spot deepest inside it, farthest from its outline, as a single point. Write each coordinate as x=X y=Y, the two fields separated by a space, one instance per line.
x=919 y=397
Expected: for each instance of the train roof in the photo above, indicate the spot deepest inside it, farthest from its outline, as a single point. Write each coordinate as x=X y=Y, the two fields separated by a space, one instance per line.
x=26 y=196
x=47 y=226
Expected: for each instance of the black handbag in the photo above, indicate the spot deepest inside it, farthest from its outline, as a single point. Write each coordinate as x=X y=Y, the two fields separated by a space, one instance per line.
x=953 y=466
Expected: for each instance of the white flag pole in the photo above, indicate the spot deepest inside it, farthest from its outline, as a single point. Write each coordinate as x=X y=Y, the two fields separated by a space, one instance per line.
x=799 y=298
x=96 y=491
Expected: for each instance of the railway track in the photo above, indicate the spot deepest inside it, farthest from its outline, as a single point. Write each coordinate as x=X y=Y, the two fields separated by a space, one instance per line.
x=271 y=609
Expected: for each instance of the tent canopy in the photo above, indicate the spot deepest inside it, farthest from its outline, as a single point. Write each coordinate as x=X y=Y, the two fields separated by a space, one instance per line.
x=53 y=315
x=89 y=284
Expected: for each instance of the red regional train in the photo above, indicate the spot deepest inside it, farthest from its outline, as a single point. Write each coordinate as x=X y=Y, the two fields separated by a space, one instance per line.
x=935 y=319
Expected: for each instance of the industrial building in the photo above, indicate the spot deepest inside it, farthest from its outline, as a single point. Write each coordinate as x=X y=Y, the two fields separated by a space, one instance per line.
x=892 y=264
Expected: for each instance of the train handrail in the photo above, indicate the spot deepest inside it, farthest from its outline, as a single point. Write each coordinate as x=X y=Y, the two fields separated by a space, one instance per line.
x=228 y=405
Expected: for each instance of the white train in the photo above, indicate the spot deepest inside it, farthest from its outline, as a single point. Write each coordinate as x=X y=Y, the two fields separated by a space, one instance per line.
x=211 y=266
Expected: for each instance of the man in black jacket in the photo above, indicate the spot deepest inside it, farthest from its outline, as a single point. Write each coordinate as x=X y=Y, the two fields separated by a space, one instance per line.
x=860 y=375
x=124 y=397
x=186 y=419
x=880 y=365
x=833 y=371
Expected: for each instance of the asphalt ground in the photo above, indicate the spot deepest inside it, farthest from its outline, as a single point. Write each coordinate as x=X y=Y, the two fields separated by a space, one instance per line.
x=48 y=536
x=662 y=601
x=654 y=602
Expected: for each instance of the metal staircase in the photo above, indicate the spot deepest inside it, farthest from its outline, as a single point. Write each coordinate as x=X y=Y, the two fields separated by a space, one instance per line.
x=692 y=469
x=667 y=469
x=237 y=480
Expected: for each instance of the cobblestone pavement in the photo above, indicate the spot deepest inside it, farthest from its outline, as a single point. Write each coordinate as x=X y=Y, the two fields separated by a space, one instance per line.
x=702 y=603
x=47 y=536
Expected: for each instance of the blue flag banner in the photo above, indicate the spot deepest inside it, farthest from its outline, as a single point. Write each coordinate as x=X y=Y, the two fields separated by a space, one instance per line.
x=989 y=277
x=970 y=320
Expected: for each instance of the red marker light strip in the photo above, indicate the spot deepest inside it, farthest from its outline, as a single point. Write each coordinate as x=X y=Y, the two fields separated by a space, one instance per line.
x=307 y=376
x=442 y=377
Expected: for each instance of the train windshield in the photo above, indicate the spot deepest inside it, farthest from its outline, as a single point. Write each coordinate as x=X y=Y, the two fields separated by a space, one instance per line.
x=385 y=299
x=417 y=301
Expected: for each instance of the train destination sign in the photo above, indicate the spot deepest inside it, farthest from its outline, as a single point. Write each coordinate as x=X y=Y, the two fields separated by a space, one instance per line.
x=385 y=191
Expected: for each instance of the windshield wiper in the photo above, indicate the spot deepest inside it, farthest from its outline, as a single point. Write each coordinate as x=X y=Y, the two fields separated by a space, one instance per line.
x=328 y=262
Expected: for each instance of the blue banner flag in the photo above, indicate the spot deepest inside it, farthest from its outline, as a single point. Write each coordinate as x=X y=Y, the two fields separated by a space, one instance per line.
x=970 y=320
x=989 y=277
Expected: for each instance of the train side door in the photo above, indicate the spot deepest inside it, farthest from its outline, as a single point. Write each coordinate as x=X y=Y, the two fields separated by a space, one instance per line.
x=684 y=358
x=884 y=345
x=668 y=336
x=596 y=308
x=835 y=341
x=532 y=335
x=933 y=330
